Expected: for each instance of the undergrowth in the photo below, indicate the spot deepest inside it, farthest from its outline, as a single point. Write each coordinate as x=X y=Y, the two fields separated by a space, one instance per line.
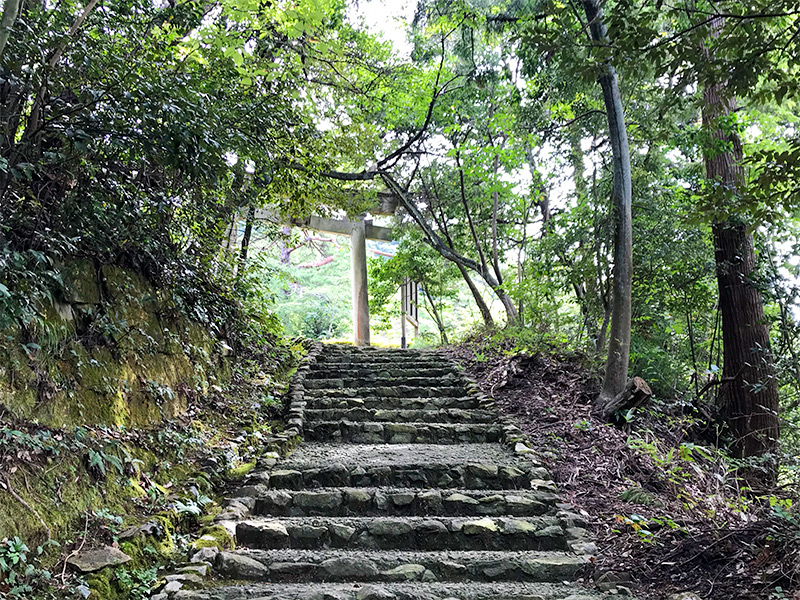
x=664 y=502
x=86 y=486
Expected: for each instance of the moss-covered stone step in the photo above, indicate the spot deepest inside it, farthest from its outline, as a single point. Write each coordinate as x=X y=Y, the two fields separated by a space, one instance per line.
x=336 y=382
x=426 y=360
x=391 y=402
x=434 y=475
x=383 y=415
x=390 y=391
x=365 y=351
x=472 y=466
x=402 y=566
x=354 y=502
x=386 y=372
x=412 y=533
x=427 y=590
x=370 y=432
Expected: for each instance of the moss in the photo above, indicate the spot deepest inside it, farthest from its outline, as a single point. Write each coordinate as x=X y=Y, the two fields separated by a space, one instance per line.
x=212 y=511
x=135 y=490
x=102 y=585
x=214 y=536
x=61 y=494
x=80 y=281
x=236 y=473
x=123 y=284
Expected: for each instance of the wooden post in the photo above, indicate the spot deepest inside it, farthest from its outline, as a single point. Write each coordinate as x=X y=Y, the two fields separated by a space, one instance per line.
x=403 y=303
x=409 y=302
x=358 y=257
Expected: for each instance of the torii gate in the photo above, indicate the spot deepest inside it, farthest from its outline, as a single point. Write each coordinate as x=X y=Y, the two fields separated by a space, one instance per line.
x=360 y=230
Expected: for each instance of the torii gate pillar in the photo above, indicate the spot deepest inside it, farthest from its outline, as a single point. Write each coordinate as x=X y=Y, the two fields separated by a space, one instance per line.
x=358 y=258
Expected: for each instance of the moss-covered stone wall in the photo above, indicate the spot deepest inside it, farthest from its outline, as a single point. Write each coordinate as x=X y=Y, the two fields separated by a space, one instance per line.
x=108 y=349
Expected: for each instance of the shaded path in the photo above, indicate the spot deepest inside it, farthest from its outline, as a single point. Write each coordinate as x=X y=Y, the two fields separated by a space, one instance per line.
x=404 y=489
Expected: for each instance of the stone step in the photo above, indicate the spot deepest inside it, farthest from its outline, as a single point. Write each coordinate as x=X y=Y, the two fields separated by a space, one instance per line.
x=446 y=415
x=387 y=372
x=472 y=466
x=350 y=349
x=411 y=533
x=399 y=566
x=376 y=360
x=354 y=502
x=390 y=391
x=398 y=591
x=334 y=381
x=370 y=432
x=420 y=403
x=346 y=350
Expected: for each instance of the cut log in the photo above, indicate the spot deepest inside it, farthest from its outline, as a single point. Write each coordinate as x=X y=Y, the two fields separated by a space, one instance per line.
x=635 y=394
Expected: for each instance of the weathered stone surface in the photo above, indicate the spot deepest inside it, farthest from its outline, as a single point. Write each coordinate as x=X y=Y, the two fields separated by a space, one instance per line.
x=389 y=527
x=318 y=500
x=480 y=527
x=192 y=580
x=516 y=526
x=172 y=587
x=341 y=533
x=357 y=498
x=350 y=567
x=402 y=498
x=89 y=561
x=273 y=533
x=461 y=499
x=410 y=572
x=238 y=566
x=307 y=532
x=201 y=570
x=371 y=592
x=483 y=470
x=432 y=527
x=206 y=555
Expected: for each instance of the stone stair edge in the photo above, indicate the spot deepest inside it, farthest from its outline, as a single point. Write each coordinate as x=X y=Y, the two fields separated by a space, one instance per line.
x=393 y=565
x=400 y=591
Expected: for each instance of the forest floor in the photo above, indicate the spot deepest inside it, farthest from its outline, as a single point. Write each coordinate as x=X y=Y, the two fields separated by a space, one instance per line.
x=664 y=508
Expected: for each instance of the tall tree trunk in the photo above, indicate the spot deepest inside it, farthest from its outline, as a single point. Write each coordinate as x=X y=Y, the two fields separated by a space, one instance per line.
x=749 y=394
x=10 y=12
x=620 y=341
x=486 y=314
x=248 y=232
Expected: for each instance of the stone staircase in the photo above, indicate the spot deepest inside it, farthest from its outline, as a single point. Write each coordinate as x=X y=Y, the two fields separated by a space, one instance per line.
x=408 y=487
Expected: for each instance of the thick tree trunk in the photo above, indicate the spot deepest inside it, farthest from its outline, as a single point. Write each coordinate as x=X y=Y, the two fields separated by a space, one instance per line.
x=620 y=337
x=486 y=314
x=749 y=393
